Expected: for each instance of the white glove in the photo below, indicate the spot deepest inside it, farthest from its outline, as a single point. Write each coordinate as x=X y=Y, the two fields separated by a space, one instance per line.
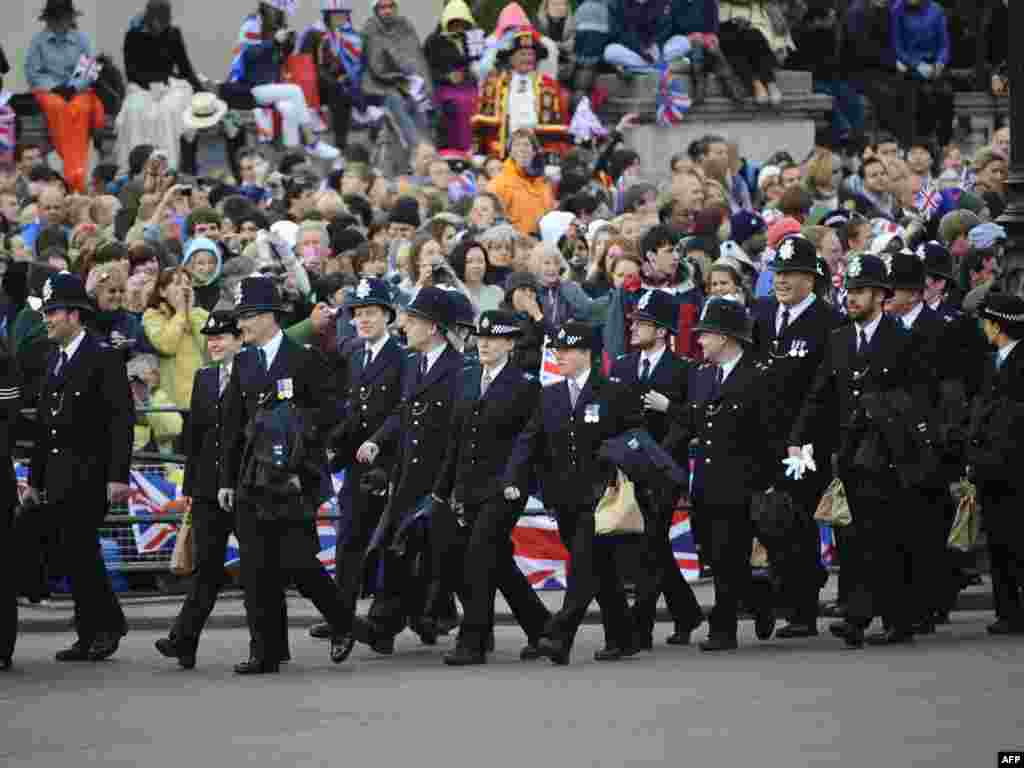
x=226 y=499
x=367 y=453
x=901 y=67
x=796 y=466
x=511 y=493
x=925 y=70
x=656 y=401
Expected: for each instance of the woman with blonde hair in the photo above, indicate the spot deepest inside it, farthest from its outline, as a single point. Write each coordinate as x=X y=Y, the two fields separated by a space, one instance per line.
x=822 y=178
x=173 y=325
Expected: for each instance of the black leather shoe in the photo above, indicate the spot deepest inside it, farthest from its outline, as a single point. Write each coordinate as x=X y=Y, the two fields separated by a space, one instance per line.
x=171 y=650
x=682 y=634
x=465 y=657
x=257 y=667
x=764 y=625
x=890 y=637
x=834 y=611
x=366 y=633
x=1004 y=627
x=426 y=628
x=850 y=633
x=548 y=648
x=609 y=653
x=341 y=647
x=445 y=626
x=791 y=631
x=719 y=643
x=5 y=663
x=490 y=642
x=530 y=652
x=77 y=652
x=104 y=646
x=320 y=631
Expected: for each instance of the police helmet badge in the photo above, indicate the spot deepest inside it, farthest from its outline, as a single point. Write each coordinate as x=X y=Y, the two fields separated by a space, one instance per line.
x=785 y=252
x=363 y=289
x=645 y=300
x=854 y=268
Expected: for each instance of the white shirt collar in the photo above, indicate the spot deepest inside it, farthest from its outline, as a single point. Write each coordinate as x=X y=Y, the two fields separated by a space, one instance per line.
x=727 y=368
x=794 y=311
x=271 y=348
x=581 y=379
x=936 y=304
x=434 y=354
x=377 y=346
x=654 y=357
x=870 y=328
x=1005 y=351
x=495 y=372
x=911 y=317
x=76 y=342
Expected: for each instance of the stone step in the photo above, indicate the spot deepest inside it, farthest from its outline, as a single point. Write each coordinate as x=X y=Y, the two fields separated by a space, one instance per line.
x=790 y=81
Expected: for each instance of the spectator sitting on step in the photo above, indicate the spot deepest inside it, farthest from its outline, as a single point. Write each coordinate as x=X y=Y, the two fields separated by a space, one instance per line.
x=644 y=37
x=755 y=37
x=698 y=22
x=997 y=56
x=920 y=37
x=451 y=56
x=63 y=88
x=556 y=22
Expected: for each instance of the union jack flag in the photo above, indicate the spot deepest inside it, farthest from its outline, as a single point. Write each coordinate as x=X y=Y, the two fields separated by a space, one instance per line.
x=151 y=496
x=927 y=200
x=550 y=373
x=673 y=101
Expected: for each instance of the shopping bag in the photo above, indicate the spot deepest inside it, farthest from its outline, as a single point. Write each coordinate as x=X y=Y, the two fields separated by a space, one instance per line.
x=183 y=562
x=618 y=511
x=834 y=508
x=963 y=535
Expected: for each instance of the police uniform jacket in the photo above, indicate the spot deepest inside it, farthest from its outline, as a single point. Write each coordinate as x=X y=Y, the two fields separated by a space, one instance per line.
x=562 y=443
x=997 y=421
x=10 y=405
x=202 y=436
x=85 y=421
x=670 y=377
x=791 y=363
x=484 y=431
x=735 y=458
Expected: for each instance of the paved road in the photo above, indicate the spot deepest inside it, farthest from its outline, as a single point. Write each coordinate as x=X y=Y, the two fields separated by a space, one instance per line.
x=951 y=701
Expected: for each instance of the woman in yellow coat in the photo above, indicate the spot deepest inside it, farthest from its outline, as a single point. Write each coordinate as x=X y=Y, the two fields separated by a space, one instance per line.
x=172 y=324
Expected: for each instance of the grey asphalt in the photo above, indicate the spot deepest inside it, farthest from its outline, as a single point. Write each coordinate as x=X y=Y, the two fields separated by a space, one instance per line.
x=951 y=700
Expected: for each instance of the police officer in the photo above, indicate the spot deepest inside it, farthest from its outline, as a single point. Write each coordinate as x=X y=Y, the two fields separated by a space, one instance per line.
x=561 y=442
x=872 y=355
x=82 y=459
x=274 y=552
x=658 y=379
x=791 y=333
x=372 y=392
x=10 y=403
x=996 y=424
x=417 y=432
x=727 y=416
x=496 y=399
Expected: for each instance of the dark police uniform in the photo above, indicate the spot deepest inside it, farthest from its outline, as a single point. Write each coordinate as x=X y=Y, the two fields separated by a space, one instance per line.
x=84 y=441
x=792 y=358
x=485 y=427
x=562 y=444
x=10 y=404
x=661 y=575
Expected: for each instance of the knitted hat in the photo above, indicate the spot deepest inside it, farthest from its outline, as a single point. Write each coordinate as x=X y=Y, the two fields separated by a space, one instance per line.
x=405 y=211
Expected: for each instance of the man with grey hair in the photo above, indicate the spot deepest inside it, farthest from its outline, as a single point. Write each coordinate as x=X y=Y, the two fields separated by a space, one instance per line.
x=313 y=246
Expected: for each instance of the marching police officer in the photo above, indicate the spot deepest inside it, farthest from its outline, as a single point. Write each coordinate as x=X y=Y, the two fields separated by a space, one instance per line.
x=561 y=441
x=791 y=333
x=372 y=392
x=867 y=360
x=496 y=399
x=417 y=432
x=10 y=404
x=996 y=424
x=82 y=459
x=727 y=416
x=274 y=369
x=658 y=378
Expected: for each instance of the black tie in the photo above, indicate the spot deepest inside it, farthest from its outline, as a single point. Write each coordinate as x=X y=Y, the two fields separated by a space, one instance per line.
x=423 y=367
x=62 y=363
x=367 y=359
x=784 y=324
x=862 y=347
x=645 y=370
x=261 y=353
x=716 y=391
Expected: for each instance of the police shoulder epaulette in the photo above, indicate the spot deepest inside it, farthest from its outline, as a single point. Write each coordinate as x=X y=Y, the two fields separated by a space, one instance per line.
x=411 y=355
x=948 y=318
x=703 y=366
x=762 y=366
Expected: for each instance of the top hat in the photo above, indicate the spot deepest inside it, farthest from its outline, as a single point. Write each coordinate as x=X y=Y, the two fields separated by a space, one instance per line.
x=1007 y=310
x=65 y=291
x=575 y=335
x=499 y=324
x=372 y=292
x=726 y=318
x=938 y=261
x=257 y=294
x=658 y=307
x=795 y=253
x=57 y=9
x=907 y=270
x=204 y=111
x=221 y=322
x=866 y=270
x=520 y=38
x=433 y=304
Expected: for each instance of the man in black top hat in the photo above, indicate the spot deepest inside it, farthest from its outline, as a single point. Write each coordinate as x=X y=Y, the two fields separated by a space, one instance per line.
x=728 y=416
x=868 y=361
x=658 y=379
x=276 y=550
x=372 y=392
x=561 y=442
x=495 y=401
x=417 y=434
x=81 y=459
x=791 y=334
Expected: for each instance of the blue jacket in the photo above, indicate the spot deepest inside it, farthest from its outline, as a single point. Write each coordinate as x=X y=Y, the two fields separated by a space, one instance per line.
x=919 y=35
x=689 y=16
x=258 y=64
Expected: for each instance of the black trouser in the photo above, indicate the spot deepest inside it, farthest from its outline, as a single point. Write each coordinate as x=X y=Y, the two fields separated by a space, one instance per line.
x=934 y=108
x=893 y=105
x=875 y=550
x=8 y=585
x=934 y=572
x=402 y=594
x=661 y=574
x=339 y=102
x=211 y=529
x=795 y=555
x=488 y=567
x=1004 y=533
x=748 y=52
x=593 y=573
x=730 y=537
x=365 y=513
x=274 y=555
x=97 y=609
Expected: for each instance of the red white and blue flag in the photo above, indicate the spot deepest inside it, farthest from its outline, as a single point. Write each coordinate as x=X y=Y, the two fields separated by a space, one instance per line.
x=151 y=496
